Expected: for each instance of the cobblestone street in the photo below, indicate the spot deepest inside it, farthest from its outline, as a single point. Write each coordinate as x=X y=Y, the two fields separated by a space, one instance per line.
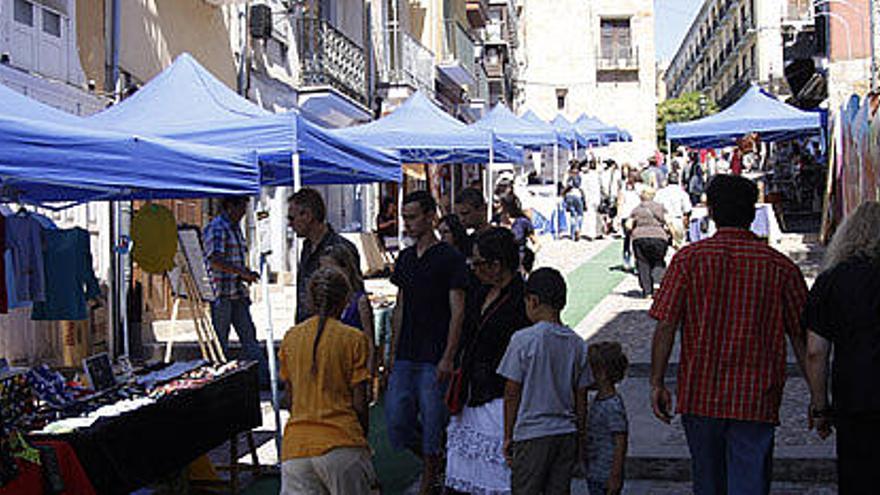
x=658 y=458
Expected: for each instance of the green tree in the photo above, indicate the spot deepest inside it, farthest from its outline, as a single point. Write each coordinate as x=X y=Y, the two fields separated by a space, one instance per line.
x=682 y=109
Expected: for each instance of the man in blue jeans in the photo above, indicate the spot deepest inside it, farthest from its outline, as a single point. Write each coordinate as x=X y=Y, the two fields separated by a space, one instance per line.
x=226 y=252
x=431 y=277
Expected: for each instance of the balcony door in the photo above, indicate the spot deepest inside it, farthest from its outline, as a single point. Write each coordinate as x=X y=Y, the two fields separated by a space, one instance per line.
x=616 y=39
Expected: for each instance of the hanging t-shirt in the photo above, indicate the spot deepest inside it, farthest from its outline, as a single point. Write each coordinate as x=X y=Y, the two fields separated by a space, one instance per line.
x=154 y=232
x=70 y=277
x=24 y=237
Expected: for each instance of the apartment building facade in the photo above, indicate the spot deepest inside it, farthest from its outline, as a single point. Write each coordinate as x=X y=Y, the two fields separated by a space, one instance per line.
x=732 y=44
x=598 y=59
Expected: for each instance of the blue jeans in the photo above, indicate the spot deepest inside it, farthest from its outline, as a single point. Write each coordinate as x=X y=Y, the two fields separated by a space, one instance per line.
x=729 y=456
x=597 y=487
x=415 y=409
x=226 y=313
x=574 y=206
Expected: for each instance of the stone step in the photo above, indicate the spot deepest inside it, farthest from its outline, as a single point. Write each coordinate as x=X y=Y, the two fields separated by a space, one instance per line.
x=658 y=451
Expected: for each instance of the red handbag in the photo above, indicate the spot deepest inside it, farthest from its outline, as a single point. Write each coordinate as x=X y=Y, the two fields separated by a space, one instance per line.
x=454 y=400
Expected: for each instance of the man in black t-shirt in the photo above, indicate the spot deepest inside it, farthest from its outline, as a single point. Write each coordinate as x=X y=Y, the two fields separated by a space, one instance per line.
x=431 y=277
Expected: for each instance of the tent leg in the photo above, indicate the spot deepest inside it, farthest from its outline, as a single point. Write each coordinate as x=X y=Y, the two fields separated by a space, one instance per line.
x=556 y=188
x=668 y=153
x=490 y=190
x=270 y=350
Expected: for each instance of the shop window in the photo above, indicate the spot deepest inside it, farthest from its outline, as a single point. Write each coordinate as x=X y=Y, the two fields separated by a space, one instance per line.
x=51 y=23
x=23 y=12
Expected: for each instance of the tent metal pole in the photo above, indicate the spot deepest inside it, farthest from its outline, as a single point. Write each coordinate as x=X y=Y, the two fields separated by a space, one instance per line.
x=270 y=350
x=490 y=191
x=555 y=214
x=669 y=153
x=123 y=287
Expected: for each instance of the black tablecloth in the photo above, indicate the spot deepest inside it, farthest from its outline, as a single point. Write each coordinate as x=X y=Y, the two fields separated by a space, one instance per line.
x=137 y=448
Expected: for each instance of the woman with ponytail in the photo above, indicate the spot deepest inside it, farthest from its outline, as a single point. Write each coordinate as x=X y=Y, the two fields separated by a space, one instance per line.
x=323 y=363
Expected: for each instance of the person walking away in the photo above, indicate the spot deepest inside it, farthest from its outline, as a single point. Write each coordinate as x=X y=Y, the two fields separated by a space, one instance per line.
x=545 y=393
x=843 y=313
x=513 y=218
x=677 y=204
x=323 y=363
x=496 y=309
x=650 y=240
x=307 y=216
x=431 y=278
x=611 y=183
x=696 y=186
x=592 y=199
x=607 y=425
x=358 y=313
x=733 y=299
x=226 y=255
x=628 y=201
x=573 y=199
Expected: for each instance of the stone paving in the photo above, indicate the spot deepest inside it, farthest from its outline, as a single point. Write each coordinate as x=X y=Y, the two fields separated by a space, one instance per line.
x=658 y=457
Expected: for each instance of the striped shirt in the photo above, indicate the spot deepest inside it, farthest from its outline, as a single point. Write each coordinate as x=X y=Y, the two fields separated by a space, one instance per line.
x=224 y=241
x=735 y=299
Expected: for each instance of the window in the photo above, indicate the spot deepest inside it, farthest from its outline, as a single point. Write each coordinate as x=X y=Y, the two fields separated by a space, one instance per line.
x=616 y=39
x=51 y=23
x=23 y=12
x=561 y=93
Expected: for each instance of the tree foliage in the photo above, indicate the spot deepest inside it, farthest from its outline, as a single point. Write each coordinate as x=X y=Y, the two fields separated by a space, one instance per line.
x=681 y=109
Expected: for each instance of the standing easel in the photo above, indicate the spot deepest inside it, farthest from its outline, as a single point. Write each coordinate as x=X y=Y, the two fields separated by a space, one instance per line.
x=189 y=291
x=190 y=262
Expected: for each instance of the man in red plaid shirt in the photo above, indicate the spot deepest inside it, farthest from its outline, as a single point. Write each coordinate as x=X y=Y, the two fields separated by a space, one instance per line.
x=735 y=299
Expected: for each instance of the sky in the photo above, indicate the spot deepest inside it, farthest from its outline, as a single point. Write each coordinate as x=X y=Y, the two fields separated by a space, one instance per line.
x=672 y=20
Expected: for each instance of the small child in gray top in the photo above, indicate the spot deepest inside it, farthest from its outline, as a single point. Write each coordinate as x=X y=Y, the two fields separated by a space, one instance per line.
x=607 y=424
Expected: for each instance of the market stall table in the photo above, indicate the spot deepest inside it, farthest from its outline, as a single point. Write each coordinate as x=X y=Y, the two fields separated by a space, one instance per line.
x=120 y=454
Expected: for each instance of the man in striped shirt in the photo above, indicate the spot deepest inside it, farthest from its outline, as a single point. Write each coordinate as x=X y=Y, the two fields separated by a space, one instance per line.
x=735 y=299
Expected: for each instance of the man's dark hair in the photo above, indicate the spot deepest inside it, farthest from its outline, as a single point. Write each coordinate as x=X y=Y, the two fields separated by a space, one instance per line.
x=732 y=200
x=426 y=202
x=227 y=202
x=311 y=200
x=548 y=286
x=498 y=244
x=472 y=197
x=672 y=178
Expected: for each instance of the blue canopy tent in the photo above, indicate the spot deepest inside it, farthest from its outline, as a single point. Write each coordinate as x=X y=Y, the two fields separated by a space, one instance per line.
x=187 y=103
x=756 y=111
x=592 y=125
x=47 y=155
x=423 y=133
x=567 y=138
x=563 y=126
x=518 y=131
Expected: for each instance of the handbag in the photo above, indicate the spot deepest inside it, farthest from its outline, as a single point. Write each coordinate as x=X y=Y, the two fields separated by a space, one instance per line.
x=454 y=394
x=455 y=398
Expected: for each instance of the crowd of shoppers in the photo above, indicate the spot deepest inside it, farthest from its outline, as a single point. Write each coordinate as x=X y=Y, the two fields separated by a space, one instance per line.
x=489 y=388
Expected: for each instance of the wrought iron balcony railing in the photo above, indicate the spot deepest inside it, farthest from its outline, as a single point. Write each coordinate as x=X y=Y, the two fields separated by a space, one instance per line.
x=459 y=47
x=329 y=58
x=408 y=61
x=618 y=58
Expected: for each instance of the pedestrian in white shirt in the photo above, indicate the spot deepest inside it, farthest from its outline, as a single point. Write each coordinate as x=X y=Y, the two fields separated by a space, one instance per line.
x=592 y=187
x=678 y=208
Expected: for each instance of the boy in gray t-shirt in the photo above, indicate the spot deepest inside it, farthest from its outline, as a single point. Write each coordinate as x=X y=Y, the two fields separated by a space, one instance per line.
x=607 y=425
x=545 y=394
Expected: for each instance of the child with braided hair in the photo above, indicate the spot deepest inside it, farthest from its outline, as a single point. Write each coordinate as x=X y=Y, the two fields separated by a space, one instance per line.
x=323 y=363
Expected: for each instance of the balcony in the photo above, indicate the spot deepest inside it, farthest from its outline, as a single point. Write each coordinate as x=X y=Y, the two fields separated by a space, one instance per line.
x=478 y=13
x=735 y=91
x=328 y=59
x=459 y=59
x=618 y=59
x=409 y=62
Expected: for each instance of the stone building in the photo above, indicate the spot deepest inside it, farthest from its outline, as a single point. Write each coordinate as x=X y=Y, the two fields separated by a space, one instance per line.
x=592 y=57
x=734 y=43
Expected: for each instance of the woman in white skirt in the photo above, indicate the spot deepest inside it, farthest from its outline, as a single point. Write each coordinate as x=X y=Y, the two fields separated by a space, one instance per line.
x=475 y=459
